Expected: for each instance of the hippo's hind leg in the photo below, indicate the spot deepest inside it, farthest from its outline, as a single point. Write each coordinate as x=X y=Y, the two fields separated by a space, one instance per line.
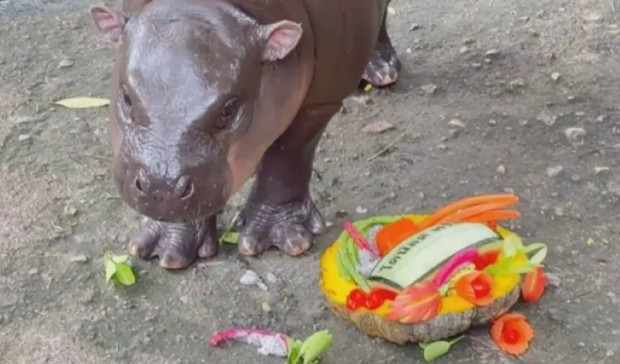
x=384 y=66
x=176 y=244
x=279 y=211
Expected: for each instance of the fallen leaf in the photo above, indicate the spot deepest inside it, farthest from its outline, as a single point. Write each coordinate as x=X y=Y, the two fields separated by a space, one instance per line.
x=590 y=242
x=377 y=127
x=82 y=102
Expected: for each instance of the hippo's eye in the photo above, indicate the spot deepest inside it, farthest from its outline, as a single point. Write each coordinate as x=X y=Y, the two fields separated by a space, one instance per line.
x=125 y=96
x=229 y=113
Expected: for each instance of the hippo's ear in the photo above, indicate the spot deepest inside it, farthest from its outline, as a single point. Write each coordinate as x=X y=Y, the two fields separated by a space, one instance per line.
x=280 y=39
x=109 y=23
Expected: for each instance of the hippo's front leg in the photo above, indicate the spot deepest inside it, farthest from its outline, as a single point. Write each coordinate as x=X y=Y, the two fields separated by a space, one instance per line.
x=280 y=211
x=176 y=244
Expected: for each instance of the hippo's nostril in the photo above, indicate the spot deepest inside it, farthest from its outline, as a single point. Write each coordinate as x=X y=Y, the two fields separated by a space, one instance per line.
x=185 y=188
x=138 y=185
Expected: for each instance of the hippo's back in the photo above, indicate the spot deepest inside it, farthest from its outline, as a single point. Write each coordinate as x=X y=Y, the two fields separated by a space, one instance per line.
x=345 y=34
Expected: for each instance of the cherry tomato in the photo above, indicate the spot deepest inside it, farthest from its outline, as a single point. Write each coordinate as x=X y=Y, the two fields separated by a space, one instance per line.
x=480 y=287
x=374 y=300
x=378 y=296
x=356 y=299
x=511 y=336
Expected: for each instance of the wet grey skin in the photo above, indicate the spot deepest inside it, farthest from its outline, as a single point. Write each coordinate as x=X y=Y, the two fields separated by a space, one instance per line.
x=206 y=94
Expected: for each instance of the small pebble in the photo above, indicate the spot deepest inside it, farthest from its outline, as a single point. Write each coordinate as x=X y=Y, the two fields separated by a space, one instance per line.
x=184 y=299
x=554 y=171
x=600 y=118
x=554 y=280
x=556 y=76
x=516 y=83
x=575 y=177
x=271 y=278
x=361 y=210
x=611 y=295
x=610 y=353
x=33 y=271
x=377 y=127
x=469 y=41
x=547 y=118
x=592 y=16
x=492 y=122
x=501 y=169
x=464 y=49
x=65 y=63
x=265 y=306
x=79 y=259
x=457 y=123
x=601 y=169
x=492 y=53
x=250 y=278
x=414 y=27
x=70 y=210
x=558 y=211
x=442 y=147
x=23 y=137
x=573 y=134
x=429 y=89
x=391 y=10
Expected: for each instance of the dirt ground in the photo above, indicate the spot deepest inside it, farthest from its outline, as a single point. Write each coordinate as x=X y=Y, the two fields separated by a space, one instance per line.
x=525 y=99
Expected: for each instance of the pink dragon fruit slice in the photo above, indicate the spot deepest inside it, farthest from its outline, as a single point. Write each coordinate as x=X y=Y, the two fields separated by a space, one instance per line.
x=464 y=257
x=268 y=343
x=358 y=238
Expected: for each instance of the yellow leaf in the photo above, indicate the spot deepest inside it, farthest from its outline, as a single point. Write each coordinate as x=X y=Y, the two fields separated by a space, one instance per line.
x=82 y=102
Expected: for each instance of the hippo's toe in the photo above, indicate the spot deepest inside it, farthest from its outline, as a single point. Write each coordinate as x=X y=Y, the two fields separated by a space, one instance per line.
x=176 y=244
x=290 y=228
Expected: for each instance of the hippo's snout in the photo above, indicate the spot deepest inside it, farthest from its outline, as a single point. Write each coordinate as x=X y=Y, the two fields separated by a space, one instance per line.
x=191 y=195
x=175 y=192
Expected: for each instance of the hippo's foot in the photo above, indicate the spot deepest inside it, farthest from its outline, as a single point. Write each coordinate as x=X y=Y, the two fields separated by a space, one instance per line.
x=384 y=66
x=176 y=244
x=289 y=227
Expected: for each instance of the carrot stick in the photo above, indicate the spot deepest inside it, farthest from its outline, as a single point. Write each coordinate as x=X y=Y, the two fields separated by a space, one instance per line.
x=495 y=215
x=507 y=199
x=472 y=211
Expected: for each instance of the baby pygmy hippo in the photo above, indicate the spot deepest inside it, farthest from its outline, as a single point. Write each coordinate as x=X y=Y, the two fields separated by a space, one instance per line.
x=207 y=93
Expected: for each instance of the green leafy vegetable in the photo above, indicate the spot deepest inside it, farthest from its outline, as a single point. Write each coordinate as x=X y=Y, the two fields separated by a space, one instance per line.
x=512 y=245
x=437 y=349
x=118 y=268
x=314 y=347
x=230 y=237
x=293 y=351
x=539 y=256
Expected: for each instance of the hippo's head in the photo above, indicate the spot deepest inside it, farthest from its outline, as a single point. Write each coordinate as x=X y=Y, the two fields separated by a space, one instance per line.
x=185 y=86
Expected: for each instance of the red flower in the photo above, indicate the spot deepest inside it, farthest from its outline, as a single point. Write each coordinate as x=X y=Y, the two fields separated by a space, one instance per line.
x=512 y=333
x=534 y=285
x=476 y=287
x=416 y=303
